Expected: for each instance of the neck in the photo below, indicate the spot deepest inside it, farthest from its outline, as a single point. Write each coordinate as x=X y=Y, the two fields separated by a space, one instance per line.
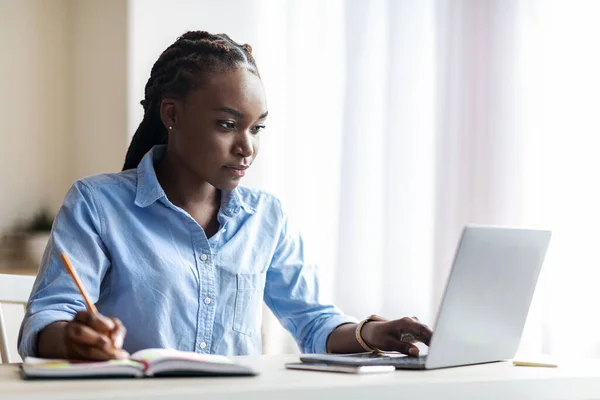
x=182 y=186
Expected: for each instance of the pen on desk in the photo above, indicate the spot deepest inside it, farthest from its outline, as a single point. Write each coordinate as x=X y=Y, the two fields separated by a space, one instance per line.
x=91 y=307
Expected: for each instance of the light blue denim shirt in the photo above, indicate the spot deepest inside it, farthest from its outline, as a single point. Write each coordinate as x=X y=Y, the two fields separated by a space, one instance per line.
x=146 y=261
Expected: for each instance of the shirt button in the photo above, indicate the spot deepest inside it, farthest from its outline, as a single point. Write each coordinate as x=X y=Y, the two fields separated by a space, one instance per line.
x=202 y=345
x=203 y=257
x=207 y=300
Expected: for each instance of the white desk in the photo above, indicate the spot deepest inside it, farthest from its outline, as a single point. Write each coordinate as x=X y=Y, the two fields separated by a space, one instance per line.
x=490 y=381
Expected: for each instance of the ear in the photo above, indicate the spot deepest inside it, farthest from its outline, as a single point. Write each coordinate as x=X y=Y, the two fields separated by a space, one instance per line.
x=170 y=109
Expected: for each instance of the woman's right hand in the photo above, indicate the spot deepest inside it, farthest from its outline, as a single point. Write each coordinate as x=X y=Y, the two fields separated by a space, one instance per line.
x=95 y=337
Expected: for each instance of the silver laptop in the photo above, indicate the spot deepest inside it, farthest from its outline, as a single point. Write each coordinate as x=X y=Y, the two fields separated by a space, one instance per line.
x=485 y=304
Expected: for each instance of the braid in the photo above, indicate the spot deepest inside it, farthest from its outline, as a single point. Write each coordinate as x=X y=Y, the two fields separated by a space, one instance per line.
x=179 y=69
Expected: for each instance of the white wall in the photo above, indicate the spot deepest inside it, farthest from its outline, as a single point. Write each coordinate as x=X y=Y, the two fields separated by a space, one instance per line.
x=63 y=79
x=33 y=108
x=98 y=86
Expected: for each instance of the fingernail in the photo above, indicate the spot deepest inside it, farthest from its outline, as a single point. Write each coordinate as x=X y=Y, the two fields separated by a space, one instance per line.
x=119 y=342
x=122 y=354
x=413 y=352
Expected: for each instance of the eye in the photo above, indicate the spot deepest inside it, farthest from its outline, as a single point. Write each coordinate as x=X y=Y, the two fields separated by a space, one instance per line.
x=227 y=125
x=258 y=128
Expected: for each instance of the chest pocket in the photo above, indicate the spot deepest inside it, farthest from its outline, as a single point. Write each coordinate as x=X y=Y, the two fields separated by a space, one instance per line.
x=248 y=304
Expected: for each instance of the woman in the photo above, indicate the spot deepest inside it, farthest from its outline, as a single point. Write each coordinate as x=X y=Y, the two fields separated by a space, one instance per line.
x=173 y=249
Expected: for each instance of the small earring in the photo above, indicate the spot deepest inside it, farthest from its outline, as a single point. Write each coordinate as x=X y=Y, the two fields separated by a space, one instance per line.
x=170 y=128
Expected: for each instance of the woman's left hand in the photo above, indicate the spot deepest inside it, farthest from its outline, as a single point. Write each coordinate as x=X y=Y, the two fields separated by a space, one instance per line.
x=397 y=335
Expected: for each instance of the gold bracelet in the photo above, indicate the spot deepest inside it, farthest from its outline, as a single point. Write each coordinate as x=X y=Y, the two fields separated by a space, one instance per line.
x=358 y=333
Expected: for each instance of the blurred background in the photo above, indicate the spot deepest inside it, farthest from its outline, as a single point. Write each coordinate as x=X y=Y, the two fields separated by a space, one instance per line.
x=391 y=125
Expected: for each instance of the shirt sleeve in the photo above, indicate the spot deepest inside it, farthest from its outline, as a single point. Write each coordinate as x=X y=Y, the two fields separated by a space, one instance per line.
x=55 y=297
x=292 y=294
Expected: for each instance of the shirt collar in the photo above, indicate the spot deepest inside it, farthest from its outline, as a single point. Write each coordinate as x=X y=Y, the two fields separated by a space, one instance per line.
x=232 y=202
x=149 y=191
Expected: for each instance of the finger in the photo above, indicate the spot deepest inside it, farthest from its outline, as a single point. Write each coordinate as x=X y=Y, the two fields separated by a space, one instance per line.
x=405 y=348
x=98 y=322
x=122 y=354
x=425 y=325
x=418 y=330
x=416 y=319
x=79 y=334
x=118 y=333
x=84 y=352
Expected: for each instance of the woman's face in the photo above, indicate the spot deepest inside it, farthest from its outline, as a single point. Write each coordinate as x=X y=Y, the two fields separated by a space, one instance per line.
x=216 y=130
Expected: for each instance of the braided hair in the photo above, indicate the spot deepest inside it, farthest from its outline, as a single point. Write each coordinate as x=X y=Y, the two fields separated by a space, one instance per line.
x=178 y=70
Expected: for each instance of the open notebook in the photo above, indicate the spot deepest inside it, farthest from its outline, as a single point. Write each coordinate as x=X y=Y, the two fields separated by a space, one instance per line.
x=144 y=363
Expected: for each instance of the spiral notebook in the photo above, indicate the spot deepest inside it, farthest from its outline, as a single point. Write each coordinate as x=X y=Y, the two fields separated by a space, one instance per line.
x=144 y=363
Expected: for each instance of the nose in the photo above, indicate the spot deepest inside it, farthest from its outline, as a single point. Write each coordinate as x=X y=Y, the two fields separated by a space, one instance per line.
x=245 y=145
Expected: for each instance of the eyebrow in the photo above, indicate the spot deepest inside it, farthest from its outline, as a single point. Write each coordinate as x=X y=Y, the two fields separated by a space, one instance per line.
x=237 y=113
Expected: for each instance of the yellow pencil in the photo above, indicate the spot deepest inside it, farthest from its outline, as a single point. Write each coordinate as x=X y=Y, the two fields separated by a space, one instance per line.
x=91 y=307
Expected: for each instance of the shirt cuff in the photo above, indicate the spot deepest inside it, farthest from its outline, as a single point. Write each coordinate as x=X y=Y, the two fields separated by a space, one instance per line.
x=320 y=343
x=33 y=325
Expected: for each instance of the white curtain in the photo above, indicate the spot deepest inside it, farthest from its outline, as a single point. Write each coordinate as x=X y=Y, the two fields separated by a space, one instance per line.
x=350 y=146
x=423 y=146
x=560 y=122
x=395 y=122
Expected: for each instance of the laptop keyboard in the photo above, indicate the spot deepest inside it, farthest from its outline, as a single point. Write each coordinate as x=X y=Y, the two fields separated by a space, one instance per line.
x=421 y=360
x=383 y=359
x=397 y=360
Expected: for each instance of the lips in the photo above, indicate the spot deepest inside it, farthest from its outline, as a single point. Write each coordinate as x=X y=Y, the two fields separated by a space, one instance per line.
x=237 y=170
x=238 y=167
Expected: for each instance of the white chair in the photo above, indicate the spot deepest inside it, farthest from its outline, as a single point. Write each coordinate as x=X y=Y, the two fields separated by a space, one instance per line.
x=13 y=289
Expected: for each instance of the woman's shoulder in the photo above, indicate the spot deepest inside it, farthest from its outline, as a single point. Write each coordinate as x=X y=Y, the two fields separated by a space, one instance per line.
x=259 y=200
x=107 y=183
